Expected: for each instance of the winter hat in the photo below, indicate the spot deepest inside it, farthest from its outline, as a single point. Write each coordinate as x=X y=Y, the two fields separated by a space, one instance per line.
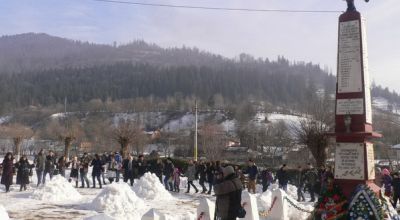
x=226 y=171
x=385 y=172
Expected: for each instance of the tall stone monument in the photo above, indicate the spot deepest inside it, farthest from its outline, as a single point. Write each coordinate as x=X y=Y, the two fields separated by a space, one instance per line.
x=354 y=154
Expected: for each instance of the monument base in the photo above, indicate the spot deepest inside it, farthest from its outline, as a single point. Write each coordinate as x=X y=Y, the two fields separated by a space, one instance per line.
x=348 y=186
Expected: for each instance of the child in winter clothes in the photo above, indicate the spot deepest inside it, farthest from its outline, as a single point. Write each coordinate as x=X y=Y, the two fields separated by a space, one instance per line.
x=112 y=169
x=177 y=179
x=74 y=171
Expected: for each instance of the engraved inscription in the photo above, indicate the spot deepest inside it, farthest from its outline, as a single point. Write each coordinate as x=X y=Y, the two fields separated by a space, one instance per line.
x=349 y=161
x=349 y=107
x=349 y=63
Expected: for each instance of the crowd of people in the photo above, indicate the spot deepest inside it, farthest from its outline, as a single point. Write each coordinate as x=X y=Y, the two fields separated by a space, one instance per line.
x=110 y=167
x=226 y=181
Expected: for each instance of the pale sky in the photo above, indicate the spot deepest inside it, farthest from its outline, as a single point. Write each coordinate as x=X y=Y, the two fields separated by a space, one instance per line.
x=297 y=36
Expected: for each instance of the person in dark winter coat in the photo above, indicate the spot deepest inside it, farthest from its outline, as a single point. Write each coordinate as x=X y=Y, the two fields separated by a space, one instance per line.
x=157 y=168
x=49 y=166
x=228 y=193
x=311 y=177
x=324 y=177
x=96 y=172
x=118 y=159
x=396 y=188
x=24 y=169
x=299 y=182
x=168 y=174
x=84 y=169
x=210 y=176
x=282 y=177
x=128 y=165
x=266 y=179
x=217 y=172
x=191 y=176
x=62 y=164
x=202 y=170
x=40 y=163
x=252 y=171
x=73 y=176
x=141 y=166
x=8 y=171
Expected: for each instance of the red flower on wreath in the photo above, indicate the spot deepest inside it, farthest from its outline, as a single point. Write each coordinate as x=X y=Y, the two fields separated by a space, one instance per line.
x=336 y=198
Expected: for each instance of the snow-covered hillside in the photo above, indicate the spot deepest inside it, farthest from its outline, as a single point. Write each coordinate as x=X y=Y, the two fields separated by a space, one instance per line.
x=181 y=122
x=385 y=105
x=4 y=119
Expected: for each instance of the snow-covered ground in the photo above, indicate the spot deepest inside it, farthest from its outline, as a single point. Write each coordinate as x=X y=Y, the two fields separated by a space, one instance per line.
x=59 y=199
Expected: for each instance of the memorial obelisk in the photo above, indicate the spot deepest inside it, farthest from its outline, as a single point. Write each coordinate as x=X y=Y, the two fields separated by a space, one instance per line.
x=354 y=153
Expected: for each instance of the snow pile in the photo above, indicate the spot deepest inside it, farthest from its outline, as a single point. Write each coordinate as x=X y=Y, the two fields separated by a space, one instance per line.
x=149 y=187
x=264 y=200
x=100 y=217
x=119 y=201
x=56 y=190
x=292 y=191
x=3 y=213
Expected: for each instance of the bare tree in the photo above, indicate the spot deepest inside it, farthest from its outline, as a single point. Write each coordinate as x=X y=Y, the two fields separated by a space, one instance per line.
x=212 y=140
x=312 y=130
x=98 y=131
x=17 y=132
x=128 y=132
x=276 y=140
x=165 y=140
x=67 y=132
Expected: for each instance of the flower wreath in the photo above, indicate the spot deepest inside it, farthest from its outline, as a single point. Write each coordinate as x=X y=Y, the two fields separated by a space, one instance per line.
x=332 y=204
x=365 y=205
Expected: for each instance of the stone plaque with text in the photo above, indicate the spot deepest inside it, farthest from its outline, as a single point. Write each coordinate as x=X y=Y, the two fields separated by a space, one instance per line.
x=349 y=60
x=349 y=161
x=349 y=107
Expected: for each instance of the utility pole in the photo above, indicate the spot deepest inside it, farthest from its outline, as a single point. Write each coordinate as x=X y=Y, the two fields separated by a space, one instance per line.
x=195 y=132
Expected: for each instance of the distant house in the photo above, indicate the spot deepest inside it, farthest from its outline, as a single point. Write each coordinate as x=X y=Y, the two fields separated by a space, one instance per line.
x=236 y=153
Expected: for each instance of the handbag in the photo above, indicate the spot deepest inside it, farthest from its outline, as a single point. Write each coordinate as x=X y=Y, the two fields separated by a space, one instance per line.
x=241 y=212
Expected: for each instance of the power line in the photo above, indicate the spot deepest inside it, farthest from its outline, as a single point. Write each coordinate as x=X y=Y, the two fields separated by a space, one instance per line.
x=216 y=8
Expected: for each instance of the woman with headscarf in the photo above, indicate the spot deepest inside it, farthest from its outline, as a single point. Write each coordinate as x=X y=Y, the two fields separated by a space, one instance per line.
x=8 y=171
x=387 y=182
x=229 y=191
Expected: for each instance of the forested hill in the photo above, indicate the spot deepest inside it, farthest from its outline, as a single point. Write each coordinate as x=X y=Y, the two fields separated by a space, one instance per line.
x=41 y=70
x=27 y=52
